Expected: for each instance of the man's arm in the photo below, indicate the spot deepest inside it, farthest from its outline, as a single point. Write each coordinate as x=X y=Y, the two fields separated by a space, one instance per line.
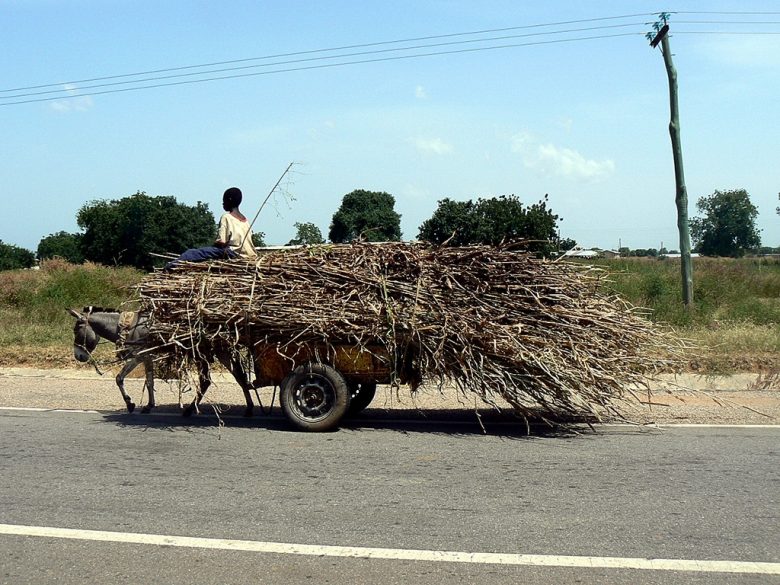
x=223 y=233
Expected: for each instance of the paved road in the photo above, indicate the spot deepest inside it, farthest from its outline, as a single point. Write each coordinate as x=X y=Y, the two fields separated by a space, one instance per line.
x=411 y=489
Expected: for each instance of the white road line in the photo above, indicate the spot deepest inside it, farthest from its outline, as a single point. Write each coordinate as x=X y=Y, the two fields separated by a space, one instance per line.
x=32 y=409
x=717 y=426
x=438 y=556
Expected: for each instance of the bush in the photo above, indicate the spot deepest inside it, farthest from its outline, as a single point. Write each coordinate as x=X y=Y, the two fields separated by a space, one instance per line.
x=36 y=301
x=13 y=257
x=729 y=290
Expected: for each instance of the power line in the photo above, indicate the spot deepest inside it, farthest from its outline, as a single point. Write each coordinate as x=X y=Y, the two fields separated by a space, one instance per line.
x=342 y=48
x=153 y=75
x=310 y=59
x=733 y=13
x=325 y=66
x=727 y=22
x=724 y=32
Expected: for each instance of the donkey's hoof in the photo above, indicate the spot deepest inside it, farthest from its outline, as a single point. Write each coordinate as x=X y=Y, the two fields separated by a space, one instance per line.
x=130 y=406
x=147 y=409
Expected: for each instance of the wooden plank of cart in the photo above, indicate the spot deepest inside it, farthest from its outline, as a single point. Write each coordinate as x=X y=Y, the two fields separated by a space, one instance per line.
x=318 y=386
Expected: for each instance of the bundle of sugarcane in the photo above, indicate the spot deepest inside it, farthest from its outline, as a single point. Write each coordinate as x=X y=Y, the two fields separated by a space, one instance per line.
x=493 y=321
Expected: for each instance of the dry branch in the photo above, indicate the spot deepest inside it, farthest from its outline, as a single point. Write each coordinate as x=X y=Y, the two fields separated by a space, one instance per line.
x=493 y=321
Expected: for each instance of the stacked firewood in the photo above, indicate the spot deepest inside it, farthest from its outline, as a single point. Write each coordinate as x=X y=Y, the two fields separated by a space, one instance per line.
x=493 y=321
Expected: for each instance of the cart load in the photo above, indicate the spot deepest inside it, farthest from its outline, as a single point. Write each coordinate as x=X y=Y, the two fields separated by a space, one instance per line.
x=491 y=321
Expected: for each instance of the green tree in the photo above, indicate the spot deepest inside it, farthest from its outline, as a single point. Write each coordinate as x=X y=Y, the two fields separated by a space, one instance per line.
x=63 y=245
x=126 y=231
x=369 y=215
x=13 y=257
x=567 y=244
x=453 y=221
x=727 y=226
x=258 y=239
x=491 y=221
x=306 y=233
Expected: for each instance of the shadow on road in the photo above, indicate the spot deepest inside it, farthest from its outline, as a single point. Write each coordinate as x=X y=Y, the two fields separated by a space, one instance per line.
x=464 y=422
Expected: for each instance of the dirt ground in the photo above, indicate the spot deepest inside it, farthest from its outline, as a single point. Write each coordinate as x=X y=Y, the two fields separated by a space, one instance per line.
x=692 y=399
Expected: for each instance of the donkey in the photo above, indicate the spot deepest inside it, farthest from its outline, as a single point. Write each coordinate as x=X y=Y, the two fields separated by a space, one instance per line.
x=94 y=323
x=132 y=336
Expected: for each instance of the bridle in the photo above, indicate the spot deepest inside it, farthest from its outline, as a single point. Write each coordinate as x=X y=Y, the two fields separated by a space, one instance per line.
x=82 y=323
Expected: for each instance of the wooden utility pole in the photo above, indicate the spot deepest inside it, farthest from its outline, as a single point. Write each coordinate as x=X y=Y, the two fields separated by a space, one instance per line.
x=681 y=197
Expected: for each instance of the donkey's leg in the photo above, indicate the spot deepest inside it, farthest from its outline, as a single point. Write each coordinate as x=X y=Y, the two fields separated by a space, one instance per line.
x=237 y=369
x=149 y=367
x=204 y=381
x=129 y=366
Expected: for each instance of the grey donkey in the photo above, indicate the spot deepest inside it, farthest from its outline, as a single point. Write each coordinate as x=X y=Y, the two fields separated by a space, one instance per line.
x=94 y=323
x=131 y=336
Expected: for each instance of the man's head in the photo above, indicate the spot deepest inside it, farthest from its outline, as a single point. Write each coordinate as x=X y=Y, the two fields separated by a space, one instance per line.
x=231 y=199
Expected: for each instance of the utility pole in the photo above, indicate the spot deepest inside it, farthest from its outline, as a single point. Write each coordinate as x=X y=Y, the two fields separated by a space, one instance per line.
x=681 y=197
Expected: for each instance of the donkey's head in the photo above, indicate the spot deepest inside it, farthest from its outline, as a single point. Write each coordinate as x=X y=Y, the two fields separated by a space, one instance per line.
x=85 y=339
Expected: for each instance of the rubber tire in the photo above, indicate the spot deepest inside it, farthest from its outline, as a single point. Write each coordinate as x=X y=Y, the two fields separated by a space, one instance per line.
x=327 y=395
x=360 y=397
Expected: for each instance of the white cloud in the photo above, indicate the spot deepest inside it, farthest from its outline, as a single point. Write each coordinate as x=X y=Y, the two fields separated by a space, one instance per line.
x=76 y=103
x=743 y=51
x=433 y=145
x=565 y=123
x=549 y=159
x=420 y=92
x=415 y=192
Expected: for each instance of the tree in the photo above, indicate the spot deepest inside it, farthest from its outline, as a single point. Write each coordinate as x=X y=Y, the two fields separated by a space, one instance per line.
x=566 y=244
x=453 y=221
x=368 y=215
x=491 y=221
x=13 y=257
x=126 y=231
x=258 y=239
x=306 y=233
x=728 y=224
x=63 y=245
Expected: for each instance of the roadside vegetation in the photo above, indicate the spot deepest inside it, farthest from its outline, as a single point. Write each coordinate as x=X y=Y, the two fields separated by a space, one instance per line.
x=36 y=328
x=735 y=320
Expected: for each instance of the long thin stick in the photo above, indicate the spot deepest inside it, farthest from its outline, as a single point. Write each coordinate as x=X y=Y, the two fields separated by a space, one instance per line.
x=267 y=197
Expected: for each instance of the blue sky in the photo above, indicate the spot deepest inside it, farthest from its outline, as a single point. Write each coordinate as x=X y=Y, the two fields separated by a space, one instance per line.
x=584 y=121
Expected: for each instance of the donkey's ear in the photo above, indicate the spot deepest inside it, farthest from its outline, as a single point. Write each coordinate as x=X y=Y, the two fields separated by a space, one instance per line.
x=75 y=313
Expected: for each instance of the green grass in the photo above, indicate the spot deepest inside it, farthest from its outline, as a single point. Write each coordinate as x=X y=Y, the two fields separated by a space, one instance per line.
x=735 y=317
x=33 y=303
x=725 y=290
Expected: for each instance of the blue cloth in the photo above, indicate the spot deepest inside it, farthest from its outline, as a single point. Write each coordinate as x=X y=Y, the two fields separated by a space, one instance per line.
x=201 y=255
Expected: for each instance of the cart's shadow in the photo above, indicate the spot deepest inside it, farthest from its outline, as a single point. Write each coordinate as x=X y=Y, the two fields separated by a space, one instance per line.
x=428 y=421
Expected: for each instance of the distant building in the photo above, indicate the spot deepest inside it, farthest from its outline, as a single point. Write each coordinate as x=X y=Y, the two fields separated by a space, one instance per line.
x=593 y=253
x=579 y=253
x=675 y=255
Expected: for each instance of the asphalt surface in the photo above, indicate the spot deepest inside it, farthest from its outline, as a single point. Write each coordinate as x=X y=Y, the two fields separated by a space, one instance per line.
x=698 y=494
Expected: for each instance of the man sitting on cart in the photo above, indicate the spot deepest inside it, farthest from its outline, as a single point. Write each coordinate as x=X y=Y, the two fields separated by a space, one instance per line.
x=234 y=235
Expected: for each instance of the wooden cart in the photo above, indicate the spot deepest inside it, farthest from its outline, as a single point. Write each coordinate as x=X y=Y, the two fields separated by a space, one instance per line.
x=319 y=386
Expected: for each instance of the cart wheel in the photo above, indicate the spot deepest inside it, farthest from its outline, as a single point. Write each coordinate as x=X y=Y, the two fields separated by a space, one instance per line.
x=361 y=396
x=314 y=397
